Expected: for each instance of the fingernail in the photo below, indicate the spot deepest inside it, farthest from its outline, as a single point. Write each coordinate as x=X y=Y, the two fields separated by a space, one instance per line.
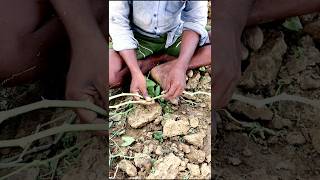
x=148 y=98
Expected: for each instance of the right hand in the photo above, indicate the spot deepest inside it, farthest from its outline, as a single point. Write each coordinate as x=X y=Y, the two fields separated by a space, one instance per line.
x=139 y=85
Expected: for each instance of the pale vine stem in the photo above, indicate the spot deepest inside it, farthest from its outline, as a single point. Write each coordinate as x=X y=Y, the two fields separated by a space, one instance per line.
x=22 y=142
x=152 y=99
x=281 y=97
x=45 y=162
x=4 y=115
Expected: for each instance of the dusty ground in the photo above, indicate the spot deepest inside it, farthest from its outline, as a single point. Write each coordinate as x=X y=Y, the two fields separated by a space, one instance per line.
x=283 y=141
x=170 y=141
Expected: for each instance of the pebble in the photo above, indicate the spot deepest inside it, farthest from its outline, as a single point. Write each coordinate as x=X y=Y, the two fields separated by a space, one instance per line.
x=194 y=170
x=128 y=167
x=234 y=161
x=295 y=138
x=159 y=150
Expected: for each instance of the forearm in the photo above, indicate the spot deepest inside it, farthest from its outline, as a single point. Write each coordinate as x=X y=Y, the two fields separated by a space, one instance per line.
x=129 y=56
x=79 y=21
x=189 y=43
x=269 y=10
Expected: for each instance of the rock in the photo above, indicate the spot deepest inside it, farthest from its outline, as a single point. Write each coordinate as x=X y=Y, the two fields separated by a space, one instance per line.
x=265 y=64
x=247 y=152
x=205 y=82
x=285 y=165
x=244 y=52
x=166 y=168
x=92 y=163
x=208 y=158
x=309 y=83
x=313 y=29
x=196 y=156
x=183 y=166
x=190 y=73
x=142 y=115
x=234 y=161
x=195 y=139
x=174 y=128
x=128 y=167
x=253 y=37
x=280 y=123
x=193 y=81
x=205 y=171
x=251 y=112
x=194 y=121
x=295 y=138
x=302 y=57
x=185 y=148
x=142 y=161
x=315 y=137
x=159 y=150
x=308 y=18
x=194 y=170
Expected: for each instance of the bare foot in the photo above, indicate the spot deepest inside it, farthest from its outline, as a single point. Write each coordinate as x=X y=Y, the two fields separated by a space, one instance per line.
x=158 y=73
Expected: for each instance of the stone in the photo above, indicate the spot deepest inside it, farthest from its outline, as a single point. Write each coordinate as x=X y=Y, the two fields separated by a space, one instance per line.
x=265 y=63
x=173 y=128
x=244 y=52
x=251 y=112
x=142 y=161
x=205 y=171
x=142 y=115
x=158 y=150
x=194 y=121
x=280 y=123
x=166 y=168
x=194 y=170
x=195 y=139
x=313 y=29
x=253 y=37
x=295 y=138
x=196 y=156
x=193 y=82
x=234 y=161
x=128 y=167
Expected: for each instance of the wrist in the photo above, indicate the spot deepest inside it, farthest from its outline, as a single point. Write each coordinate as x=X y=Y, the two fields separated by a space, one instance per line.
x=135 y=71
x=182 y=64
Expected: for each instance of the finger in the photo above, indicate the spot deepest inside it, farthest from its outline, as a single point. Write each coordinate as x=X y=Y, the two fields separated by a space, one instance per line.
x=171 y=91
x=136 y=98
x=166 y=85
x=145 y=95
x=86 y=116
x=178 y=92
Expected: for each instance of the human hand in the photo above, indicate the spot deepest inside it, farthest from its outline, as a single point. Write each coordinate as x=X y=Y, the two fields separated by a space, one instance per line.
x=86 y=81
x=138 y=85
x=175 y=81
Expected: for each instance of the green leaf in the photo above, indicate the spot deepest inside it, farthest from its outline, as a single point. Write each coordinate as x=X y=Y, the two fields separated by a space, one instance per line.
x=157 y=92
x=157 y=135
x=128 y=140
x=150 y=91
x=293 y=24
x=150 y=83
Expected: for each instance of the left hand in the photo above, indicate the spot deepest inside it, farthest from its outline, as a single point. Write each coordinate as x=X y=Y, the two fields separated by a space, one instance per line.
x=175 y=82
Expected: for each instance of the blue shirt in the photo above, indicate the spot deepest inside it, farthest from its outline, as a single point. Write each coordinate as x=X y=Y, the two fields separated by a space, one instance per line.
x=155 y=18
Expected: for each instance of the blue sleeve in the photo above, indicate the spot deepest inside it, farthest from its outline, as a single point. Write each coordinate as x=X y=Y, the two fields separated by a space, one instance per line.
x=119 y=26
x=195 y=16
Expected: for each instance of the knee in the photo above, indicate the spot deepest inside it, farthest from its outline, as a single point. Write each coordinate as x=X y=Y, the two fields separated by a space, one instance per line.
x=114 y=80
x=10 y=53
